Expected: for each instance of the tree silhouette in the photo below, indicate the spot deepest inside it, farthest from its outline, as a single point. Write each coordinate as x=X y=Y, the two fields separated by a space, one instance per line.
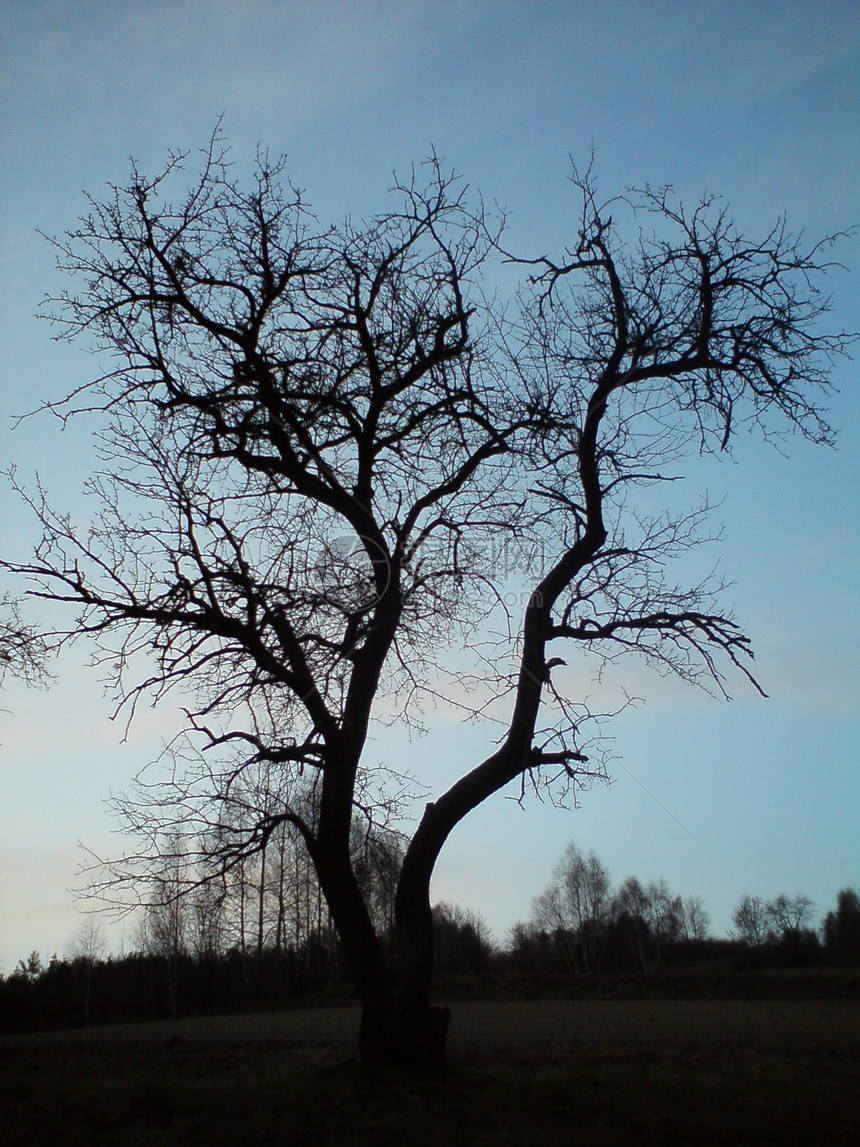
x=841 y=929
x=88 y=948
x=695 y=918
x=577 y=908
x=789 y=915
x=751 y=921
x=321 y=445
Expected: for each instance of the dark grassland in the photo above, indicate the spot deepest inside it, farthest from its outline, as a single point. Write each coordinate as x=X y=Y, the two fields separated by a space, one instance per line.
x=521 y=1072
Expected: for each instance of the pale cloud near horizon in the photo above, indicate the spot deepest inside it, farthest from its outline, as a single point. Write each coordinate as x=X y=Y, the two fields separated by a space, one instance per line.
x=37 y=908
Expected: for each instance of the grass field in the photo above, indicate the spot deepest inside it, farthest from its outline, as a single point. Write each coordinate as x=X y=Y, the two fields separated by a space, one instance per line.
x=596 y=1072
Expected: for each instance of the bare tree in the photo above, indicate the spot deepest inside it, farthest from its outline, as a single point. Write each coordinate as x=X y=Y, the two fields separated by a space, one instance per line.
x=550 y=918
x=841 y=929
x=577 y=907
x=695 y=918
x=666 y=910
x=207 y=923
x=313 y=441
x=167 y=921
x=87 y=948
x=751 y=921
x=631 y=907
x=651 y=918
x=789 y=915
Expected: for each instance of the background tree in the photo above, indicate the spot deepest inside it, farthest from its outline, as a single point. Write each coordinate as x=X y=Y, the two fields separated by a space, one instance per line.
x=631 y=909
x=577 y=907
x=549 y=918
x=88 y=947
x=695 y=919
x=751 y=921
x=207 y=920
x=841 y=929
x=32 y=969
x=462 y=941
x=789 y=915
x=664 y=916
x=530 y=949
x=276 y=386
x=165 y=925
x=650 y=918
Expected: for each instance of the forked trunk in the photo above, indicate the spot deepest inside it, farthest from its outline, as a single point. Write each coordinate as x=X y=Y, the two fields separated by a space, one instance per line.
x=400 y=1032
x=399 y=1025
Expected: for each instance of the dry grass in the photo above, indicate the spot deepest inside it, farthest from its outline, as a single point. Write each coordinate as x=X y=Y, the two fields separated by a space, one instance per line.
x=520 y=1073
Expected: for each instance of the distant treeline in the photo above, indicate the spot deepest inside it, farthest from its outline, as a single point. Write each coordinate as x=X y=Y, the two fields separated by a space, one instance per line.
x=184 y=964
x=581 y=924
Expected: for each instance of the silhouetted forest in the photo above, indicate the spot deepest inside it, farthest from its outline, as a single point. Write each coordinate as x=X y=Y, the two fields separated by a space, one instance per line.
x=266 y=941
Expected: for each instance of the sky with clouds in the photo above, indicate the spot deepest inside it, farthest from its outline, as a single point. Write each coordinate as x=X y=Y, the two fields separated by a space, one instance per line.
x=757 y=103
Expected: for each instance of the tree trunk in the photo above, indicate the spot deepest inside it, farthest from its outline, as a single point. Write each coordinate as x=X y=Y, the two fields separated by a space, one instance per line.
x=399 y=1026
x=397 y=1031
x=261 y=920
x=89 y=987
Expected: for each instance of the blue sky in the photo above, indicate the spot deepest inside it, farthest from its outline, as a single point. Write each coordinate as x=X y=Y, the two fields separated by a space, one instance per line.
x=758 y=103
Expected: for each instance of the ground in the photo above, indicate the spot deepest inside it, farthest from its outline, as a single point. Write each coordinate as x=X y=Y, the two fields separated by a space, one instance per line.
x=523 y=1072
